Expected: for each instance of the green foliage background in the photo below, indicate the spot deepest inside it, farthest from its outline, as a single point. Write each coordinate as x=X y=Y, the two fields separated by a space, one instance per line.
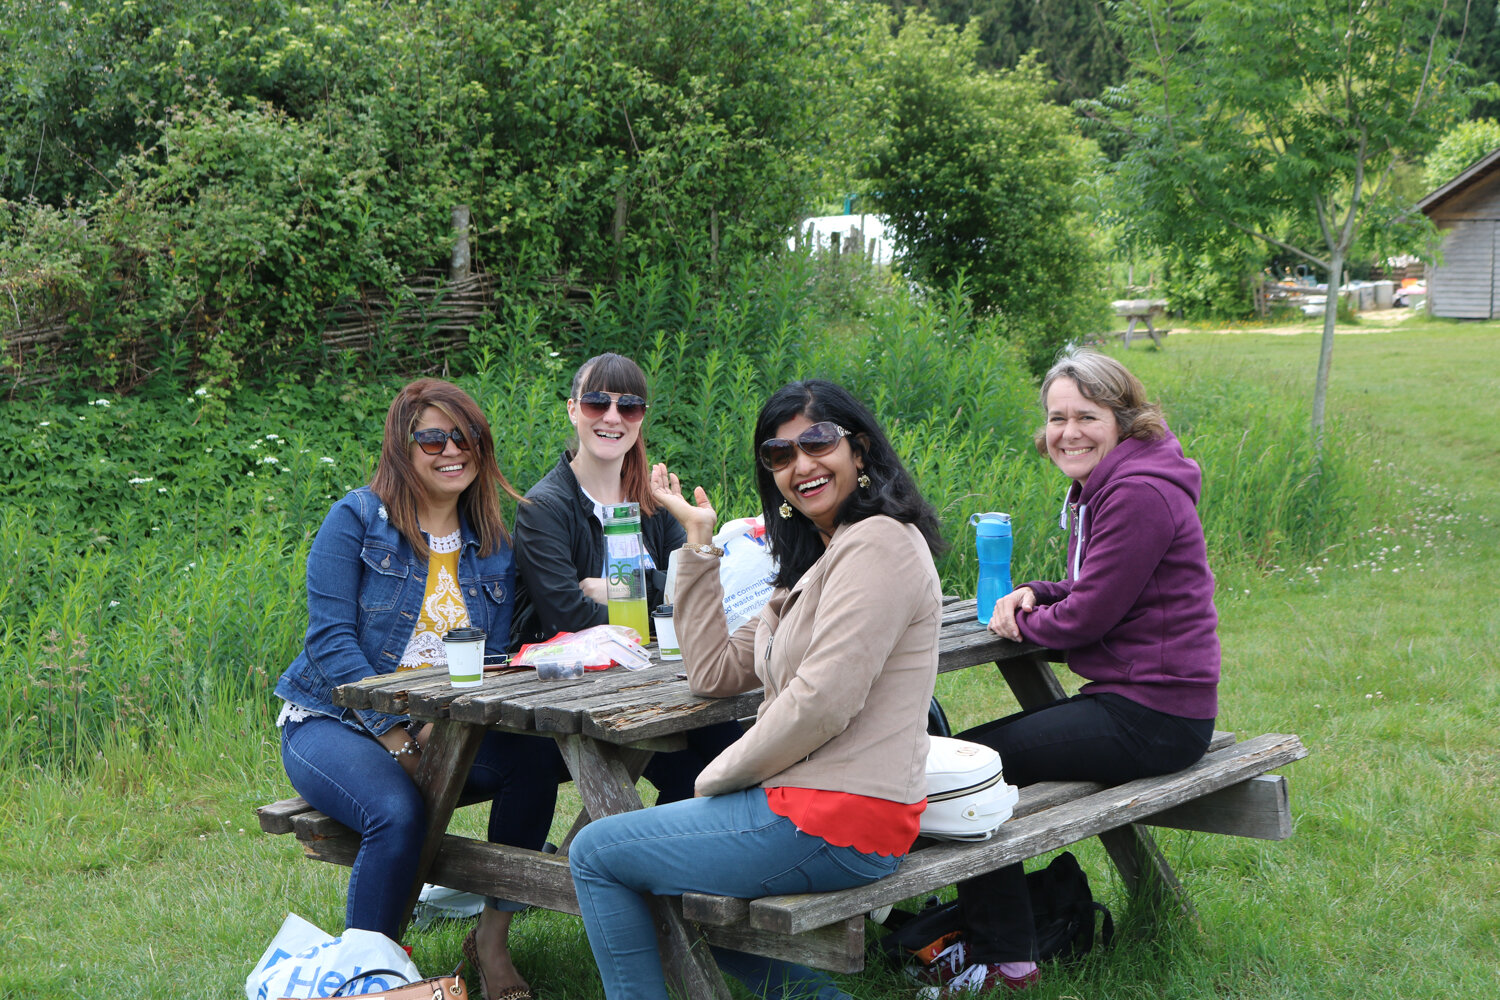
x=154 y=543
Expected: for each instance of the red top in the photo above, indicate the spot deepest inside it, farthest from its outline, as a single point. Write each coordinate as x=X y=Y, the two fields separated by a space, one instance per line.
x=865 y=823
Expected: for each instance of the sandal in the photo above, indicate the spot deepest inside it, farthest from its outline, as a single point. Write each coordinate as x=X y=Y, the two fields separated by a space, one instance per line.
x=471 y=957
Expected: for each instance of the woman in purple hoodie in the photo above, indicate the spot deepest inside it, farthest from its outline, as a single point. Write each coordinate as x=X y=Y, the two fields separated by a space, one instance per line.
x=1136 y=617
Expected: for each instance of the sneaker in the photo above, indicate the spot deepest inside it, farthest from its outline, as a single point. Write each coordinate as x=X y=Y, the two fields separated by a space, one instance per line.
x=951 y=976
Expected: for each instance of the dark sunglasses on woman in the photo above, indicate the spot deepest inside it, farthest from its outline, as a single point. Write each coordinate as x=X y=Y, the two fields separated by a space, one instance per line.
x=596 y=404
x=433 y=441
x=819 y=439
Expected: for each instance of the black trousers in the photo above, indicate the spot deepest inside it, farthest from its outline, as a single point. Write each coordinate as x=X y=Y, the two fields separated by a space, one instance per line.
x=1089 y=737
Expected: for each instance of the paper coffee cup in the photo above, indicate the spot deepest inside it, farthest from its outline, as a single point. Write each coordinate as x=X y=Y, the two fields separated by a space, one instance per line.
x=465 y=648
x=666 y=633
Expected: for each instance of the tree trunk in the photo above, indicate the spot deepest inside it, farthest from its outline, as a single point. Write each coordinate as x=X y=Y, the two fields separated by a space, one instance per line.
x=1325 y=353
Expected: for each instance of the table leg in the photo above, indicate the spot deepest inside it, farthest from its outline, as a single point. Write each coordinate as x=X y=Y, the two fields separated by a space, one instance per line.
x=1155 y=337
x=602 y=774
x=1133 y=850
x=445 y=767
x=1129 y=330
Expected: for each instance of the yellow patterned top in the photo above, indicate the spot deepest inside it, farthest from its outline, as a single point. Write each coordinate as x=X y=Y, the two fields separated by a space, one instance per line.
x=442 y=606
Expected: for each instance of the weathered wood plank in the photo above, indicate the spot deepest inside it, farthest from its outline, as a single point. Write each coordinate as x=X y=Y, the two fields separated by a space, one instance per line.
x=714 y=910
x=629 y=723
x=838 y=947
x=1029 y=836
x=276 y=817
x=1259 y=807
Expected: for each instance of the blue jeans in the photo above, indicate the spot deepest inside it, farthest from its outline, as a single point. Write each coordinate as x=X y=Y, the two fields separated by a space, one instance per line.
x=532 y=766
x=345 y=773
x=1088 y=737
x=732 y=845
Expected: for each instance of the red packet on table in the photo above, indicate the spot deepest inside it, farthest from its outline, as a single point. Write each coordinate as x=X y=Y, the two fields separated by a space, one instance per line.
x=597 y=648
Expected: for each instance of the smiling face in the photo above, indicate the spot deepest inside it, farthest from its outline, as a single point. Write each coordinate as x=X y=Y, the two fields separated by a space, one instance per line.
x=818 y=486
x=444 y=476
x=1080 y=432
x=607 y=438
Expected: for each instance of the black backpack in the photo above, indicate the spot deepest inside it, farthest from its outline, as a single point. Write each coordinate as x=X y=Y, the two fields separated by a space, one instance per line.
x=1061 y=904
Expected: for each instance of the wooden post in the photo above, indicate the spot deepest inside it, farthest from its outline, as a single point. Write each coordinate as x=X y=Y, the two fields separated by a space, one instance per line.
x=458 y=264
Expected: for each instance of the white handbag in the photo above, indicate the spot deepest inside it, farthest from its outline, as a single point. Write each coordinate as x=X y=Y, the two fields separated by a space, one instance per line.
x=967 y=797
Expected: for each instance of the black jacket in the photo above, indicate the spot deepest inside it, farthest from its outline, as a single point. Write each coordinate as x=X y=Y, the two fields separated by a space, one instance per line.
x=559 y=541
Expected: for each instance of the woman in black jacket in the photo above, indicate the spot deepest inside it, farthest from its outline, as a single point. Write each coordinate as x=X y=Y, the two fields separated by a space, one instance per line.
x=559 y=545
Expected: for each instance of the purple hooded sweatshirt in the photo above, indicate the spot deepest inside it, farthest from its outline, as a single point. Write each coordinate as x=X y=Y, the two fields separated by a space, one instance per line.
x=1136 y=612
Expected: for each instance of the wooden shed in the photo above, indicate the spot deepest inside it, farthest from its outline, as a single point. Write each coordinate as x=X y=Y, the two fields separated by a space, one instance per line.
x=1467 y=211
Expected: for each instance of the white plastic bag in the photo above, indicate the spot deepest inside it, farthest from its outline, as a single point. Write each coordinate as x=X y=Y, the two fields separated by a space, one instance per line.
x=438 y=902
x=595 y=648
x=745 y=572
x=303 y=961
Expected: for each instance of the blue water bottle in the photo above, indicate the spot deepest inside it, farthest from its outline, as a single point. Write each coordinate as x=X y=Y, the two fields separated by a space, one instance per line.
x=992 y=539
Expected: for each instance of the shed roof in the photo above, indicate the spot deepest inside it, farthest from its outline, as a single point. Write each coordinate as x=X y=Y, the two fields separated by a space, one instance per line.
x=1476 y=172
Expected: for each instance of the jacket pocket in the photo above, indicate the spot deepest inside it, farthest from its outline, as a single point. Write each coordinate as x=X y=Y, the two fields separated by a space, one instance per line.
x=384 y=576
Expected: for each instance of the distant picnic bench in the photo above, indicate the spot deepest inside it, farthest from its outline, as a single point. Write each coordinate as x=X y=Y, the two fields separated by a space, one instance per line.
x=608 y=724
x=1136 y=311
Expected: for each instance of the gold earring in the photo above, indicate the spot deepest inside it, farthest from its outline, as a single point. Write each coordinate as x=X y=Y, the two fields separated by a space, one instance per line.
x=785 y=510
x=864 y=480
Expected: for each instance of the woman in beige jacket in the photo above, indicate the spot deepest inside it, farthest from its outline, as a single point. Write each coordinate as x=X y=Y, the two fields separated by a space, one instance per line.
x=826 y=790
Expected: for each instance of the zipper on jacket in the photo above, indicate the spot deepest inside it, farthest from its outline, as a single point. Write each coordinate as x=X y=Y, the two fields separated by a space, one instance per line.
x=771 y=641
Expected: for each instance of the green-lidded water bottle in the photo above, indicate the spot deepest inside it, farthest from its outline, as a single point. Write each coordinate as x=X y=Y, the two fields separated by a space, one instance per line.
x=625 y=568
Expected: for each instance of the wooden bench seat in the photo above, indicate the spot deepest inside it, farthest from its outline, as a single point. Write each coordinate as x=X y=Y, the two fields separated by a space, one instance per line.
x=1228 y=792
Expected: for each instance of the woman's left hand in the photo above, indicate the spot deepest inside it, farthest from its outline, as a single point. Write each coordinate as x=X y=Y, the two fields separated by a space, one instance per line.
x=697 y=518
x=1003 y=618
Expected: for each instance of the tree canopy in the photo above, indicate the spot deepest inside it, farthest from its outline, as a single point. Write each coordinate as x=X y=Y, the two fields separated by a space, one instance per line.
x=1284 y=122
x=982 y=180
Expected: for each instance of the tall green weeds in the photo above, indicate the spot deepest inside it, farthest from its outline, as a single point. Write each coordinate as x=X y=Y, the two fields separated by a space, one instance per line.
x=154 y=545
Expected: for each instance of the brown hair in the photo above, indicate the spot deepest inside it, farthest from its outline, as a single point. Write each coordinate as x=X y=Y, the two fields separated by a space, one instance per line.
x=395 y=480
x=616 y=373
x=1103 y=380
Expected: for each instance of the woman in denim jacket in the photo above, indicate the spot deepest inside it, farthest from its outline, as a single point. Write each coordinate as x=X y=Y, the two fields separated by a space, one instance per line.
x=396 y=564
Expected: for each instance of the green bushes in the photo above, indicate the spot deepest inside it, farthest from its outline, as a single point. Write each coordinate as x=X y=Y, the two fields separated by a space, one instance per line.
x=249 y=167
x=983 y=180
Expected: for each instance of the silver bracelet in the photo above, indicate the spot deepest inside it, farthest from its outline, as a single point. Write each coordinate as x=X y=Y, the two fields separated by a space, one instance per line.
x=410 y=748
x=707 y=550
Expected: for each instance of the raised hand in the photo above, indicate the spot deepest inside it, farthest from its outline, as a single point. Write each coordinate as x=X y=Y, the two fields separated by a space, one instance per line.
x=697 y=518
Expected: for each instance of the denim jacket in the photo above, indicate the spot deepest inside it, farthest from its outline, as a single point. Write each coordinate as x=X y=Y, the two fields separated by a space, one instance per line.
x=364 y=594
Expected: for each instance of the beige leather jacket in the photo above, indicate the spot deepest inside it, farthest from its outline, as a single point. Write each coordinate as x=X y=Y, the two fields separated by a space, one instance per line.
x=848 y=659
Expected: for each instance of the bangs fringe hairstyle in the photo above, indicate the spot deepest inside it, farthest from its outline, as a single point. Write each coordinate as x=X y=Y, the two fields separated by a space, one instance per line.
x=395 y=480
x=795 y=541
x=1103 y=380
x=617 y=373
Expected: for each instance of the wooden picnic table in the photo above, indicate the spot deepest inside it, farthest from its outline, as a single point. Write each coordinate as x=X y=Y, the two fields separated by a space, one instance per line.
x=1140 y=311
x=608 y=724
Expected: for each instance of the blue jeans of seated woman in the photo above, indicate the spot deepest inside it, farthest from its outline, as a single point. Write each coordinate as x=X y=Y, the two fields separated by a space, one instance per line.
x=731 y=845
x=1088 y=737
x=346 y=773
x=532 y=766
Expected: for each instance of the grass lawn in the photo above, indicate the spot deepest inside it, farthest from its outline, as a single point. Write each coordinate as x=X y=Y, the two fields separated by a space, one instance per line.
x=150 y=878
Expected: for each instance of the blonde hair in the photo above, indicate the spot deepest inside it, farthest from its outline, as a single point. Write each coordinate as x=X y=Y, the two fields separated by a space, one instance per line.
x=1103 y=380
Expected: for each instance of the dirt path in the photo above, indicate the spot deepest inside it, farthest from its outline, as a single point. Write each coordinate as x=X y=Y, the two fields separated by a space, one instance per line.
x=1371 y=321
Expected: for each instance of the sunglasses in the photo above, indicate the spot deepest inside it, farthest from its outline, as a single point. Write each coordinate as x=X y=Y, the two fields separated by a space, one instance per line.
x=596 y=404
x=817 y=440
x=433 y=441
